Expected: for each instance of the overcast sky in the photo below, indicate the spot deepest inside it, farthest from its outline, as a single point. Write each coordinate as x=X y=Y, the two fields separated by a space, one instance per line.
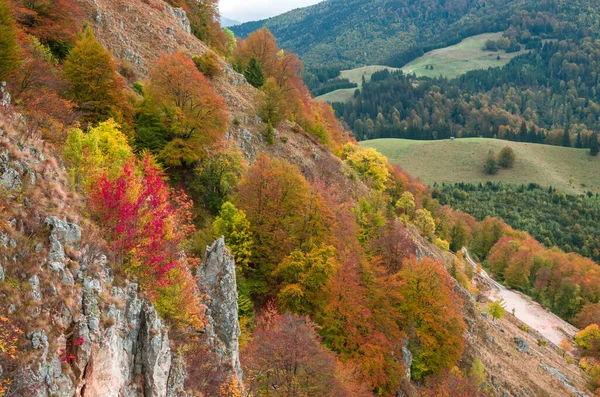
x=252 y=10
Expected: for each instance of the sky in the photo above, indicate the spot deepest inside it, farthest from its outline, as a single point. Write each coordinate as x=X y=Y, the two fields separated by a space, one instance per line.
x=252 y=10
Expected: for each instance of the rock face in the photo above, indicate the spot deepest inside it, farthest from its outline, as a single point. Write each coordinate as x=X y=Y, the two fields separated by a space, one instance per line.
x=121 y=349
x=216 y=277
x=561 y=377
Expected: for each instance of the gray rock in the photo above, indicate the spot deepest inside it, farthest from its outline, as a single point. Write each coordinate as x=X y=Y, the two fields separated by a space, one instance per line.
x=154 y=354
x=5 y=99
x=175 y=387
x=10 y=177
x=181 y=18
x=1 y=272
x=561 y=377
x=407 y=357
x=216 y=277
x=36 y=292
x=522 y=346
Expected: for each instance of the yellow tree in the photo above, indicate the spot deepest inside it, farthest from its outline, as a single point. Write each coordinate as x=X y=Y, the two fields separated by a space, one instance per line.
x=96 y=87
x=9 y=50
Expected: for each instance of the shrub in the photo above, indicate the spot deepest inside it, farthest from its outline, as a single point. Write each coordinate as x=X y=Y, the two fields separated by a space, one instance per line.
x=491 y=165
x=497 y=308
x=442 y=244
x=208 y=64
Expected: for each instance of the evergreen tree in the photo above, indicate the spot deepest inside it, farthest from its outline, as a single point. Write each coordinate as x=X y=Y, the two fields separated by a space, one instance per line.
x=96 y=87
x=579 y=143
x=532 y=136
x=523 y=132
x=566 y=140
x=254 y=73
x=9 y=51
x=594 y=144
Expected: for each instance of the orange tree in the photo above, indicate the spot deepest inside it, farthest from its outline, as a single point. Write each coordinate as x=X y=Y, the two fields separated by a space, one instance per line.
x=432 y=311
x=189 y=108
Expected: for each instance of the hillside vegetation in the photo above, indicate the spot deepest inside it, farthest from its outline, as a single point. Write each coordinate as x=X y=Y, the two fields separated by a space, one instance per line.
x=567 y=169
x=161 y=134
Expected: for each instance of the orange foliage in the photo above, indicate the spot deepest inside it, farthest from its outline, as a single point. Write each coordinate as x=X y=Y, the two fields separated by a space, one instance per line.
x=54 y=22
x=285 y=358
x=434 y=310
x=451 y=383
x=190 y=109
x=9 y=337
x=284 y=213
x=285 y=68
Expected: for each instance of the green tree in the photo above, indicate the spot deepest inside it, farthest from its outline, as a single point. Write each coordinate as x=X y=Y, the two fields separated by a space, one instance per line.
x=477 y=371
x=424 y=222
x=9 y=50
x=103 y=149
x=272 y=109
x=235 y=227
x=491 y=165
x=216 y=177
x=594 y=144
x=254 y=73
x=96 y=87
x=497 y=309
x=506 y=158
x=304 y=276
x=406 y=204
x=566 y=139
x=458 y=236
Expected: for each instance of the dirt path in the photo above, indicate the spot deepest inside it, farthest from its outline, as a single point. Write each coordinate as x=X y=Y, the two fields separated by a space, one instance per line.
x=529 y=312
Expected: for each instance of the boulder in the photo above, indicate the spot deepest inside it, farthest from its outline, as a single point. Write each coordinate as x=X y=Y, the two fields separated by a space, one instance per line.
x=522 y=346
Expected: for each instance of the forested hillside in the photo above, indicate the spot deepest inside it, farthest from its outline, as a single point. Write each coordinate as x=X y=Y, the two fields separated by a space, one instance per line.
x=325 y=35
x=553 y=218
x=139 y=134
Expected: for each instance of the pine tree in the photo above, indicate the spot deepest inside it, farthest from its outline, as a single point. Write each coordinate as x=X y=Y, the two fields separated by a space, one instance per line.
x=566 y=141
x=254 y=73
x=96 y=87
x=523 y=132
x=9 y=50
x=594 y=144
x=579 y=142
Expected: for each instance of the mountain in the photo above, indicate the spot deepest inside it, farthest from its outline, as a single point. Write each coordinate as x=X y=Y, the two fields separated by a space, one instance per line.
x=226 y=22
x=350 y=33
x=168 y=228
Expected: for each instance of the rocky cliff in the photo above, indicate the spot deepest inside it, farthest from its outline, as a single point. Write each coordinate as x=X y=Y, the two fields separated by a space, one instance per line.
x=89 y=331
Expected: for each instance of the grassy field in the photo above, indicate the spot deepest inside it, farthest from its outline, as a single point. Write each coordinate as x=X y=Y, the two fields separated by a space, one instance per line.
x=354 y=76
x=567 y=169
x=450 y=62
x=461 y=58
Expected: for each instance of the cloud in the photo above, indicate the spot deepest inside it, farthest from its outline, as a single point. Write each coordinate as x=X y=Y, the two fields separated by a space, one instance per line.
x=252 y=10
